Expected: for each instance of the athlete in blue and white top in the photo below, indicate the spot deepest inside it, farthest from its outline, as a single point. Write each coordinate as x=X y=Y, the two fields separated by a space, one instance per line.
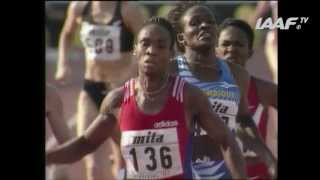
x=224 y=96
x=226 y=85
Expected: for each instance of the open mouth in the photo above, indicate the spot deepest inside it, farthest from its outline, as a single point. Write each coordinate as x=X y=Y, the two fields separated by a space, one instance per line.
x=149 y=63
x=230 y=58
x=205 y=35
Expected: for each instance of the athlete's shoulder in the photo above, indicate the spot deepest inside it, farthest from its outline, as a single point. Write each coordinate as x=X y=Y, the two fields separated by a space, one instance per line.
x=263 y=84
x=238 y=70
x=267 y=92
x=113 y=100
x=240 y=74
x=193 y=94
x=77 y=7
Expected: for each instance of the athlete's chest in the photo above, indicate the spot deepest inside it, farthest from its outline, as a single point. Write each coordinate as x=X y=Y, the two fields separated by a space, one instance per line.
x=101 y=41
x=153 y=145
x=169 y=115
x=151 y=105
x=103 y=31
x=102 y=17
x=205 y=74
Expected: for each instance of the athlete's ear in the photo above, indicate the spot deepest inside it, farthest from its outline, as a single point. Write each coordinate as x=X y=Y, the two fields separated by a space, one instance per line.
x=180 y=38
x=134 y=52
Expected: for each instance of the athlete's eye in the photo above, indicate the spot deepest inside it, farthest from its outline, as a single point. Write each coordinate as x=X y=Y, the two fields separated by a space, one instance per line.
x=144 y=43
x=225 y=44
x=194 y=22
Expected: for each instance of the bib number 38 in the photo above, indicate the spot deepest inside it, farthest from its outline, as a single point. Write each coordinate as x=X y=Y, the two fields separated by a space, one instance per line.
x=99 y=48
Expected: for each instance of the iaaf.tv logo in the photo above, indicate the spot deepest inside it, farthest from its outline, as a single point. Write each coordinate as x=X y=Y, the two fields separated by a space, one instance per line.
x=281 y=24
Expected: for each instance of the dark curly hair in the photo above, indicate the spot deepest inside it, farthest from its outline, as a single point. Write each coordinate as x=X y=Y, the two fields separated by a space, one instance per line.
x=163 y=23
x=242 y=25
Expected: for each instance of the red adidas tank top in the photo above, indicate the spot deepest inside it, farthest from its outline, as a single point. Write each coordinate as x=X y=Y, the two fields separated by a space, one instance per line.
x=156 y=146
x=259 y=113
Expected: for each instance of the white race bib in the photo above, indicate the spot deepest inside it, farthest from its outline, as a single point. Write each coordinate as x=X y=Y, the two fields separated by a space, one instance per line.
x=227 y=111
x=102 y=42
x=151 y=154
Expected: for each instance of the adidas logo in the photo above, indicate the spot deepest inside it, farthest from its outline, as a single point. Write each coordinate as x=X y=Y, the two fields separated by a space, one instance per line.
x=164 y=124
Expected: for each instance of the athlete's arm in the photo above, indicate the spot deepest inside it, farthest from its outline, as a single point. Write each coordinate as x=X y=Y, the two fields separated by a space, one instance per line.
x=133 y=16
x=198 y=103
x=66 y=36
x=261 y=9
x=55 y=115
x=99 y=130
x=247 y=130
x=267 y=93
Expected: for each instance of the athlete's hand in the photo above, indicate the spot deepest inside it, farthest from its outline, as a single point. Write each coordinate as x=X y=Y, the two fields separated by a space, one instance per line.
x=63 y=74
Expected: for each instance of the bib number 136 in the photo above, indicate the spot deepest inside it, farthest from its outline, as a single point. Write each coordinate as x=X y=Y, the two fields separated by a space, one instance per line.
x=164 y=156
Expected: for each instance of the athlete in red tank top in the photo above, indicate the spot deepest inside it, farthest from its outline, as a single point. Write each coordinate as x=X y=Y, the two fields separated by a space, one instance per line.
x=236 y=45
x=155 y=145
x=258 y=170
x=157 y=117
x=259 y=113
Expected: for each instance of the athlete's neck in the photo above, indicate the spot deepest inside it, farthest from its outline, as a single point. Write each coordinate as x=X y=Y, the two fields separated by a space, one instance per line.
x=152 y=83
x=204 y=57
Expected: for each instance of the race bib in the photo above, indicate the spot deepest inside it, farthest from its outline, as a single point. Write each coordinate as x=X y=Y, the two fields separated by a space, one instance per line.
x=151 y=154
x=101 y=42
x=227 y=111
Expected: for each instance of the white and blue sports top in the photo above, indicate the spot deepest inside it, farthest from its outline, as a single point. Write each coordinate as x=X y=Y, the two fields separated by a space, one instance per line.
x=224 y=94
